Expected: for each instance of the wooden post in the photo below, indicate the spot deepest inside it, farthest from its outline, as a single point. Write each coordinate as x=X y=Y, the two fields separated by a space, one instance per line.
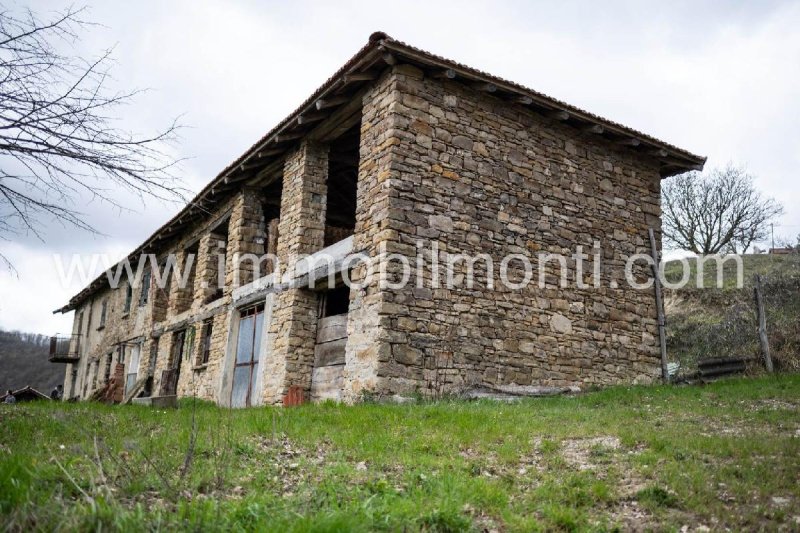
x=662 y=336
x=762 y=324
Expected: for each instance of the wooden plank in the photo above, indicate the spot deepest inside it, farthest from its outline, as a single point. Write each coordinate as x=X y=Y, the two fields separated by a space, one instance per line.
x=332 y=328
x=329 y=353
x=662 y=336
x=717 y=361
x=762 y=324
x=326 y=383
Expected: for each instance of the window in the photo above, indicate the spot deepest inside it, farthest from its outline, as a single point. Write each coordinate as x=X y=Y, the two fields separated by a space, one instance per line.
x=205 y=343
x=128 y=298
x=133 y=368
x=103 y=312
x=107 y=374
x=145 y=294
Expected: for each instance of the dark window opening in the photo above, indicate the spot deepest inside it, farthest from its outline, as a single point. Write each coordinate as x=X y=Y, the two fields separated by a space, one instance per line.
x=335 y=301
x=205 y=342
x=218 y=260
x=103 y=313
x=128 y=298
x=340 y=214
x=144 y=296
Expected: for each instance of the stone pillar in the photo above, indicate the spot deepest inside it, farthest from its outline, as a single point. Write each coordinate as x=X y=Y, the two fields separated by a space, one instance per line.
x=301 y=228
x=368 y=349
x=246 y=239
x=209 y=248
x=292 y=330
x=181 y=289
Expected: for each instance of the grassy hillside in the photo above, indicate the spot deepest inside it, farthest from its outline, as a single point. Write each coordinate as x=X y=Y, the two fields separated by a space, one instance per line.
x=770 y=266
x=711 y=322
x=721 y=456
x=23 y=361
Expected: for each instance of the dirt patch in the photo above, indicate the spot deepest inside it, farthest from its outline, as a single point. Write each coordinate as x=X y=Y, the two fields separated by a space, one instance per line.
x=589 y=454
x=292 y=465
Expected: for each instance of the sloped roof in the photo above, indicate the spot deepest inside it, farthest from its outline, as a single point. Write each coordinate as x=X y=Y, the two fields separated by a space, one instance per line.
x=381 y=51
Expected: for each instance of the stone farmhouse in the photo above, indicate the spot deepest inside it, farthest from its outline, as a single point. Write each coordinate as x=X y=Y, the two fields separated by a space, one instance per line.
x=398 y=151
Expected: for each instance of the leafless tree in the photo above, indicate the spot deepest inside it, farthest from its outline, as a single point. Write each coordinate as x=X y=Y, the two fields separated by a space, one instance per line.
x=59 y=137
x=719 y=212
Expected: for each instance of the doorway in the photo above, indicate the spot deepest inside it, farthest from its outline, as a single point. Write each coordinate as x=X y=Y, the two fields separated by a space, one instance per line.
x=248 y=343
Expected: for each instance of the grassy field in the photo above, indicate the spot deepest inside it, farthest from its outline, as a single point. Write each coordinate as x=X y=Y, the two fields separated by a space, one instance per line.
x=722 y=456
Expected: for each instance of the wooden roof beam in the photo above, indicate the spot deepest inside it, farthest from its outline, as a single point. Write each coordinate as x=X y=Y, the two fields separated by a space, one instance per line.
x=308 y=118
x=449 y=74
x=359 y=76
x=558 y=115
x=333 y=101
x=290 y=136
x=486 y=87
x=633 y=141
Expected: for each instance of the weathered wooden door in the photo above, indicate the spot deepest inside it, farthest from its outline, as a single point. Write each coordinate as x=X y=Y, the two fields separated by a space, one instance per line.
x=245 y=371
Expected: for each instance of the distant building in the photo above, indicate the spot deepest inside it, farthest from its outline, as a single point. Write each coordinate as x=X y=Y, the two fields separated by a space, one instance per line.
x=26 y=394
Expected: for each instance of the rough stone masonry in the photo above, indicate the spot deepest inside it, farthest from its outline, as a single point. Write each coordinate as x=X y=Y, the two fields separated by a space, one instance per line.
x=400 y=153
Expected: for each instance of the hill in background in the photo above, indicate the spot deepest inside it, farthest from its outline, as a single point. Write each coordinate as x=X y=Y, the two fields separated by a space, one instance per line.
x=721 y=322
x=23 y=361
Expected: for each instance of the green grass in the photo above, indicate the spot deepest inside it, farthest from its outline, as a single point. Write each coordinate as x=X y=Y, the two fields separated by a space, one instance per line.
x=626 y=457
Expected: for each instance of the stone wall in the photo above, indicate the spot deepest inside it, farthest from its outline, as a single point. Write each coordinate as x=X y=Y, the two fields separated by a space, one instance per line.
x=169 y=310
x=478 y=175
x=440 y=163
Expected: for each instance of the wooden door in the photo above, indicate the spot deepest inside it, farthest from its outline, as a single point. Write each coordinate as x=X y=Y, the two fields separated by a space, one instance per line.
x=245 y=370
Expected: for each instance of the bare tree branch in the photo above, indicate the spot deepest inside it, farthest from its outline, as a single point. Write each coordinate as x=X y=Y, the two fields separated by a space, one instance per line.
x=58 y=138
x=718 y=212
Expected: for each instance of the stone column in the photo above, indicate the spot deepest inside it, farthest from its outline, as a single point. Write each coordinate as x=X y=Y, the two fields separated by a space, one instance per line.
x=292 y=331
x=180 y=298
x=210 y=246
x=368 y=350
x=246 y=239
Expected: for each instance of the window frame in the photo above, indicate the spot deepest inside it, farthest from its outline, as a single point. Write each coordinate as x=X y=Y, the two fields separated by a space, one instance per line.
x=204 y=352
x=144 y=296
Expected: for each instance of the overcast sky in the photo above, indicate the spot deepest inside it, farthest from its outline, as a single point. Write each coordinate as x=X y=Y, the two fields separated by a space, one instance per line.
x=719 y=79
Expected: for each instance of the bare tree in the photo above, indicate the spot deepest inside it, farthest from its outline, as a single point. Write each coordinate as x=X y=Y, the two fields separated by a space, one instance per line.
x=59 y=138
x=718 y=212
